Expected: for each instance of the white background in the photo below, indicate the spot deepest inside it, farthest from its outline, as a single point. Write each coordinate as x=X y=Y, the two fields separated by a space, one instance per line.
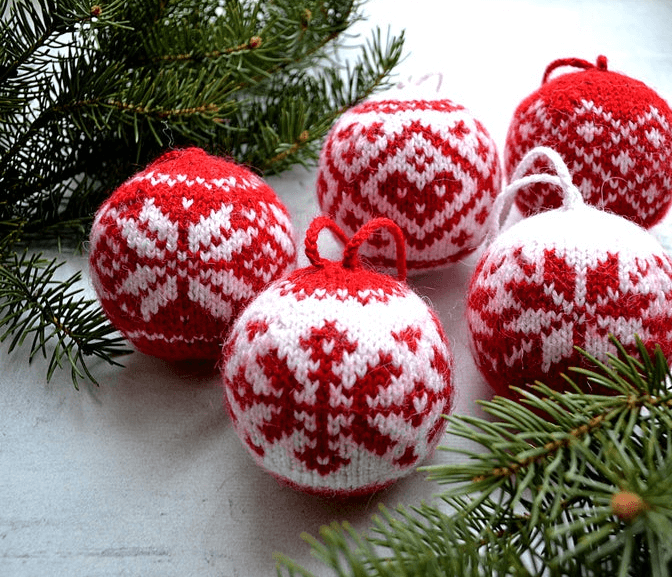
x=145 y=475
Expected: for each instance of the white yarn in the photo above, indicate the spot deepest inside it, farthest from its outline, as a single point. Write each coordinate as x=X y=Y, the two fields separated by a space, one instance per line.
x=562 y=178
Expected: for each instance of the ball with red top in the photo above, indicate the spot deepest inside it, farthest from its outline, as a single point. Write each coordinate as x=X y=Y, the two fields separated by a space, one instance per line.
x=336 y=377
x=428 y=165
x=614 y=133
x=180 y=248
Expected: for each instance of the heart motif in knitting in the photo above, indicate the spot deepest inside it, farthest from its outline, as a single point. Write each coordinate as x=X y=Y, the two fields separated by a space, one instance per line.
x=430 y=166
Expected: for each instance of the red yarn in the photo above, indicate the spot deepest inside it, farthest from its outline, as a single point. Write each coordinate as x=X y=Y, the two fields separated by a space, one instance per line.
x=614 y=133
x=364 y=233
x=178 y=250
x=336 y=376
x=575 y=63
x=313 y=232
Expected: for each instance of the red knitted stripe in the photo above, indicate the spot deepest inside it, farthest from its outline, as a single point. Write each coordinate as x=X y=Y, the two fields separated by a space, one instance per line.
x=331 y=281
x=382 y=262
x=395 y=106
x=340 y=494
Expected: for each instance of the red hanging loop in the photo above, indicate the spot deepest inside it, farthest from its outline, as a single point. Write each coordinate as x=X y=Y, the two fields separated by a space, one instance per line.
x=313 y=232
x=601 y=64
x=350 y=256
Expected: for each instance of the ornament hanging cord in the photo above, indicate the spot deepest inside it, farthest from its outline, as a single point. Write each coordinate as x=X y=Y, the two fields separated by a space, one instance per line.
x=601 y=64
x=350 y=252
x=562 y=178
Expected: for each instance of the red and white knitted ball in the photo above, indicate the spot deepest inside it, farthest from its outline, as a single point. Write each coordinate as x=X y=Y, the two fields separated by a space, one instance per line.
x=336 y=377
x=614 y=133
x=428 y=165
x=563 y=278
x=179 y=249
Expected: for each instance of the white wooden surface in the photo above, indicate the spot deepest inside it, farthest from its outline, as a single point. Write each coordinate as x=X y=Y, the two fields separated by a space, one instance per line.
x=144 y=475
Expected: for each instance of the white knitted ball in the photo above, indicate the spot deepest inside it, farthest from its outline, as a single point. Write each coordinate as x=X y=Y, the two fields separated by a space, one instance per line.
x=568 y=277
x=336 y=377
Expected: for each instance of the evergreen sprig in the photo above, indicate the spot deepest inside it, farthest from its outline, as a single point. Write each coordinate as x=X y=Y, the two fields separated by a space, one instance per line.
x=569 y=484
x=38 y=307
x=91 y=91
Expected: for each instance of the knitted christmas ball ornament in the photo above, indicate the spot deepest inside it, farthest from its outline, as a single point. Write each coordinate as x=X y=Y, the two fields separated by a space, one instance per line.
x=178 y=250
x=337 y=376
x=566 y=277
x=614 y=133
x=428 y=165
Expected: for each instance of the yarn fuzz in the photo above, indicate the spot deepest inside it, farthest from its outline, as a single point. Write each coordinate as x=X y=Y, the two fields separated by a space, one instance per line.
x=614 y=133
x=428 y=165
x=337 y=376
x=567 y=277
x=179 y=249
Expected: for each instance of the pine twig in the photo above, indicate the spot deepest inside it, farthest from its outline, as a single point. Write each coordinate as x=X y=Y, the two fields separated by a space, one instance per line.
x=586 y=492
x=91 y=92
x=61 y=326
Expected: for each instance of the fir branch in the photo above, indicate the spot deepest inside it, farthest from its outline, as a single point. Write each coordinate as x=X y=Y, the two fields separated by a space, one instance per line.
x=586 y=491
x=298 y=117
x=109 y=98
x=92 y=91
x=252 y=44
x=36 y=305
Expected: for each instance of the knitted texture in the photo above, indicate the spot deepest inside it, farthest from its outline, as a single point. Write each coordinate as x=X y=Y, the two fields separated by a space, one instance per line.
x=428 y=165
x=179 y=249
x=567 y=277
x=337 y=376
x=614 y=133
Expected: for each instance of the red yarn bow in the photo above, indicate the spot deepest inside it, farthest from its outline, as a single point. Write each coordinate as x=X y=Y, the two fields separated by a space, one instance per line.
x=350 y=252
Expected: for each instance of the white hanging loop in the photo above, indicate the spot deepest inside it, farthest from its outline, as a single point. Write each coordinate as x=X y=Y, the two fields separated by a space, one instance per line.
x=502 y=206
